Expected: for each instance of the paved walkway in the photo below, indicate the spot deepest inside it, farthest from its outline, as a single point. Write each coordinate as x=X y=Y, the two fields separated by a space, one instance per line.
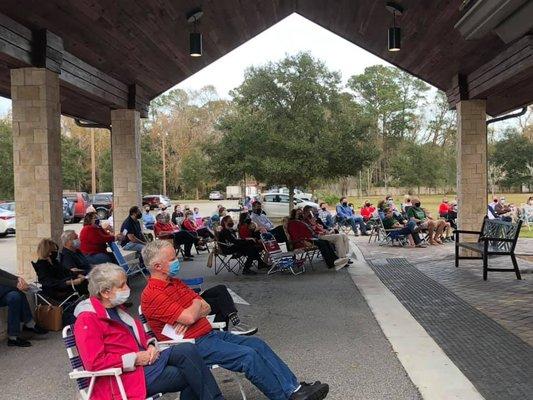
x=502 y=297
x=318 y=322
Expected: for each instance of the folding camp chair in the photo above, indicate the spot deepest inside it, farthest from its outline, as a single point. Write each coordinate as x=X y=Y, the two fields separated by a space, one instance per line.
x=389 y=236
x=167 y=343
x=226 y=258
x=132 y=267
x=85 y=379
x=280 y=260
x=343 y=225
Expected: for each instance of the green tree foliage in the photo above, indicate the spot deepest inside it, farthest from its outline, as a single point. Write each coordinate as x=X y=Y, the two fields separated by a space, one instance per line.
x=288 y=126
x=513 y=154
x=151 y=163
x=6 y=160
x=75 y=164
x=193 y=172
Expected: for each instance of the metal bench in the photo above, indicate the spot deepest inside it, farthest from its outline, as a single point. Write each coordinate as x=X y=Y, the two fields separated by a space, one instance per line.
x=496 y=238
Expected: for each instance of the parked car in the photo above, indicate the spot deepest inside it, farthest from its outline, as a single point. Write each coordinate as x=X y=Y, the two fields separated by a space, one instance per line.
x=103 y=204
x=216 y=195
x=154 y=200
x=276 y=205
x=68 y=211
x=8 y=205
x=7 y=221
x=81 y=202
x=297 y=193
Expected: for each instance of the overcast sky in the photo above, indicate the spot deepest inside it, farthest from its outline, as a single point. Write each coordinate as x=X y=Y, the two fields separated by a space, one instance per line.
x=289 y=36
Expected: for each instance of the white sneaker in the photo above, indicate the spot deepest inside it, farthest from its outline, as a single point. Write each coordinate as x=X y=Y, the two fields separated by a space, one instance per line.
x=243 y=330
x=340 y=263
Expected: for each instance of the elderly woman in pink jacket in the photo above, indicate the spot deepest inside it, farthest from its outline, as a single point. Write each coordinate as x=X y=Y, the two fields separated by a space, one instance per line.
x=108 y=337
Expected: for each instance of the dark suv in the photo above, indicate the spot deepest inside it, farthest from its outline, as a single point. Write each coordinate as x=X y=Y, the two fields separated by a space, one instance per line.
x=103 y=204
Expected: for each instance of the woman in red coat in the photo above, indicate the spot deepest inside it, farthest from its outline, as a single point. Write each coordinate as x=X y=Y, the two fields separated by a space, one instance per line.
x=94 y=239
x=108 y=337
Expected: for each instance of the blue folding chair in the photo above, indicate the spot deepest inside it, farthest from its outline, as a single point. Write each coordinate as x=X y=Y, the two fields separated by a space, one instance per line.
x=131 y=267
x=85 y=379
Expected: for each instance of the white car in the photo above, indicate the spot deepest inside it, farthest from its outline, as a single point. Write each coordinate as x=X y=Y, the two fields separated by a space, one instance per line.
x=216 y=195
x=276 y=205
x=7 y=222
x=297 y=193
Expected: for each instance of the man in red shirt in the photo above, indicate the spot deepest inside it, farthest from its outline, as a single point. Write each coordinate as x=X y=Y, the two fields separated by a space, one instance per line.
x=367 y=210
x=444 y=207
x=166 y=300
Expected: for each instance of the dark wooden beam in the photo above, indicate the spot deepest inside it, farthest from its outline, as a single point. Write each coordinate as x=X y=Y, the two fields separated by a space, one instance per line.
x=21 y=47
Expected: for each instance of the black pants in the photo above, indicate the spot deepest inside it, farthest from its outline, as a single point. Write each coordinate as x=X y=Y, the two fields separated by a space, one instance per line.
x=187 y=372
x=184 y=238
x=221 y=302
x=247 y=248
x=205 y=233
x=327 y=250
x=279 y=234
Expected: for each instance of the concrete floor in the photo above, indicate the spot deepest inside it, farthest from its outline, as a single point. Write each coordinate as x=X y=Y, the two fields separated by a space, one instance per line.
x=317 y=322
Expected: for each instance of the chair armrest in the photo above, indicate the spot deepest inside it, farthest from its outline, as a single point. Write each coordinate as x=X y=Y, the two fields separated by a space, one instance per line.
x=218 y=325
x=486 y=238
x=173 y=342
x=464 y=231
x=90 y=374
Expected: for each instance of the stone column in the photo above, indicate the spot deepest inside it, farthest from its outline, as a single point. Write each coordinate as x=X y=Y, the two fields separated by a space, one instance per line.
x=36 y=161
x=471 y=163
x=126 y=161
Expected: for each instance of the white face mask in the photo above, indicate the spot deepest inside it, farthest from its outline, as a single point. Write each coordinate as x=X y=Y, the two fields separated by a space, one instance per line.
x=121 y=296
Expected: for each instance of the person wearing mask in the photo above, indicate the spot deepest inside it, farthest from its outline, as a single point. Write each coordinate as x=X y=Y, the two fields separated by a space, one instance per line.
x=527 y=211
x=93 y=241
x=177 y=215
x=406 y=205
x=247 y=229
x=108 y=337
x=57 y=281
x=410 y=230
x=444 y=208
x=148 y=219
x=132 y=236
x=71 y=257
x=189 y=225
x=504 y=211
x=340 y=241
x=198 y=217
x=325 y=216
x=165 y=229
x=19 y=317
x=166 y=299
x=234 y=245
x=424 y=221
x=345 y=215
x=367 y=211
x=389 y=203
x=260 y=219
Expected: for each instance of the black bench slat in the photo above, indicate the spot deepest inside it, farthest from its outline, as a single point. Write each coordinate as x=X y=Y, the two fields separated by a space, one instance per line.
x=498 y=236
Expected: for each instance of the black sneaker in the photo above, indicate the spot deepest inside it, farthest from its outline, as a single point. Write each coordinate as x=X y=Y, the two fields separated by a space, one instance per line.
x=248 y=272
x=36 y=329
x=234 y=318
x=314 y=391
x=18 y=342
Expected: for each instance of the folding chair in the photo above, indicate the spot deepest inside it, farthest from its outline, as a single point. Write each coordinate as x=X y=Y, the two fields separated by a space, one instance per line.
x=85 y=379
x=388 y=236
x=132 y=267
x=303 y=248
x=280 y=260
x=526 y=215
x=343 y=226
x=167 y=343
x=226 y=258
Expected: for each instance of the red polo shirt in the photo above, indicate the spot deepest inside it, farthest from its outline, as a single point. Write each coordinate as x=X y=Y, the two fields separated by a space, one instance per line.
x=162 y=302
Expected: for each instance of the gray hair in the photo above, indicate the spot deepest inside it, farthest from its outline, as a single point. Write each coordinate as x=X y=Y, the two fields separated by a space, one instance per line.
x=160 y=217
x=152 y=251
x=66 y=236
x=104 y=277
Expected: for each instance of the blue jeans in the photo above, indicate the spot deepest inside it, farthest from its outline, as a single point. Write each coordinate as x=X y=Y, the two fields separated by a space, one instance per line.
x=356 y=221
x=185 y=371
x=133 y=246
x=253 y=357
x=18 y=310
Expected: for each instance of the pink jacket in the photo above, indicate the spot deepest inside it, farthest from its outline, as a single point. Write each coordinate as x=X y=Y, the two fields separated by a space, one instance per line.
x=104 y=343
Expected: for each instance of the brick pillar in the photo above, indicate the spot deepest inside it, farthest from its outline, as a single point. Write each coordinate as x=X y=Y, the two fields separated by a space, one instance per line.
x=126 y=160
x=37 y=161
x=471 y=163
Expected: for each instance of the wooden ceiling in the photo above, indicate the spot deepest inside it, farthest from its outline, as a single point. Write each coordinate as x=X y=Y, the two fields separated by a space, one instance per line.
x=145 y=42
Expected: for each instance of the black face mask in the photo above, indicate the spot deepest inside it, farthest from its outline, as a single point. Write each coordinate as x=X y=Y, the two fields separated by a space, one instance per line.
x=417 y=204
x=53 y=255
x=230 y=224
x=138 y=215
x=367 y=204
x=258 y=210
x=323 y=208
x=344 y=203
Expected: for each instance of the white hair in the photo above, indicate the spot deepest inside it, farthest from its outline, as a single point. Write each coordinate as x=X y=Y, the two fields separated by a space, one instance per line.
x=104 y=277
x=66 y=236
x=152 y=251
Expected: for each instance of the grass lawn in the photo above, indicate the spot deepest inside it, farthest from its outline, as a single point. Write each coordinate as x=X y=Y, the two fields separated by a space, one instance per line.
x=431 y=203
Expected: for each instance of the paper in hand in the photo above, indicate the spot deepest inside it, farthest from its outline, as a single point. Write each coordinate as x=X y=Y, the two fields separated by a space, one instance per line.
x=170 y=332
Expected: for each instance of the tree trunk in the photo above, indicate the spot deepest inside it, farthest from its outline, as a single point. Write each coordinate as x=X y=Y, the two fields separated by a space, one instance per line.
x=291 y=198
x=197 y=193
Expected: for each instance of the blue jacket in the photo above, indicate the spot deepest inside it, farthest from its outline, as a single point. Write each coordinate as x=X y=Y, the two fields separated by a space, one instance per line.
x=344 y=211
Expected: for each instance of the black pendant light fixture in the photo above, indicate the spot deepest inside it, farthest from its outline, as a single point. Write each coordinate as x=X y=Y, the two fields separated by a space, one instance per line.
x=195 y=37
x=395 y=33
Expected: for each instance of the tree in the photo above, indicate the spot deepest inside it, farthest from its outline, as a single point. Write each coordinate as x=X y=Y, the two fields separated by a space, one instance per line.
x=6 y=159
x=75 y=164
x=513 y=154
x=285 y=126
x=193 y=173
